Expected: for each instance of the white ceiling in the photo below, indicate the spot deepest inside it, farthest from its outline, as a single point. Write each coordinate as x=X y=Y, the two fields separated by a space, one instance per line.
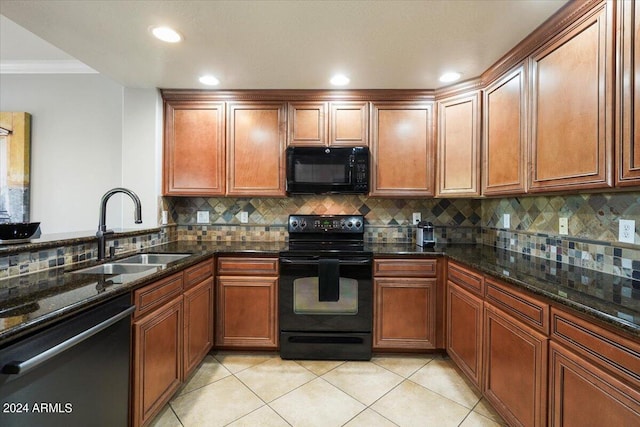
x=272 y=44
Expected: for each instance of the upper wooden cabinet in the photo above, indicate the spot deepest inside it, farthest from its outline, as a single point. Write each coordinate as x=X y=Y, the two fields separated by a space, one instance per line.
x=628 y=119
x=402 y=149
x=459 y=145
x=255 y=149
x=194 y=160
x=571 y=106
x=504 y=117
x=328 y=123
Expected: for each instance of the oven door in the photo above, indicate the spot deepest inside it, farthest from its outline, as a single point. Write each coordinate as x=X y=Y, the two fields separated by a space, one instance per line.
x=325 y=293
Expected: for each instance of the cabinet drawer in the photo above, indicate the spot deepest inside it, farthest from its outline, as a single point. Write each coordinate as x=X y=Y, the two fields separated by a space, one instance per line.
x=466 y=278
x=197 y=273
x=404 y=267
x=156 y=294
x=239 y=266
x=525 y=308
x=606 y=348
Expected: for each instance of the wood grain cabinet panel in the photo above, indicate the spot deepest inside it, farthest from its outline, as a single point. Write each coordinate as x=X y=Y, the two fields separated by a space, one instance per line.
x=402 y=149
x=582 y=394
x=398 y=267
x=466 y=278
x=308 y=124
x=246 y=312
x=571 y=106
x=198 y=324
x=194 y=148
x=157 y=359
x=404 y=313
x=255 y=149
x=505 y=135
x=459 y=145
x=515 y=368
x=349 y=123
x=465 y=331
x=628 y=119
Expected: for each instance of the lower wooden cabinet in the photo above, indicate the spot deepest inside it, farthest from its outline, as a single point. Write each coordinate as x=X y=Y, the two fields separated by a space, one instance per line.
x=464 y=331
x=583 y=395
x=157 y=359
x=405 y=294
x=247 y=306
x=515 y=368
x=198 y=324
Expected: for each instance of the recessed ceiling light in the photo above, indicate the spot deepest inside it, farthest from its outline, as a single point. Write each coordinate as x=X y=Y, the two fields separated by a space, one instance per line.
x=209 y=80
x=166 y=34
x=340 y=80
x=449 y=77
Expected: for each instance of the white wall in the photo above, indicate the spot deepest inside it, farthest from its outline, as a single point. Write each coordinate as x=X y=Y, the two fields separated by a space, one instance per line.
x=81 y=124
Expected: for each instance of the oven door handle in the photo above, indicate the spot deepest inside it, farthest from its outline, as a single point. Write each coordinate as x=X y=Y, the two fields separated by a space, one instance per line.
x=316 y=260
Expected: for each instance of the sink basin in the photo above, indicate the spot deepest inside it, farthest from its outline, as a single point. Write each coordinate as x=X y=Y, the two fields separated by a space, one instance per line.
x=119 y=268
x=152 y=259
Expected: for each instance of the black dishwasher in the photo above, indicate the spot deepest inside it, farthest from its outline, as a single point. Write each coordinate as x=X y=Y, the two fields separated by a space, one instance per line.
x=75 y=373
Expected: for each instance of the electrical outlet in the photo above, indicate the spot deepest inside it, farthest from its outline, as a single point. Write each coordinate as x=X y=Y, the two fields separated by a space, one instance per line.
x=627 y=231
x=202 y=217
x=506 y=220
x=244 y=217
x=563 y=226
x=165 y=217
x=417 y=217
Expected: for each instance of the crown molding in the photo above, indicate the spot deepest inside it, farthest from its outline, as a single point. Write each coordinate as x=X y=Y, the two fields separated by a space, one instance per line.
x=45 y=67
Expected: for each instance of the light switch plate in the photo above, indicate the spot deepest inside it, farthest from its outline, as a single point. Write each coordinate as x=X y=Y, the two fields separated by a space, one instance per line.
x=506 y=220
x=165 y=217
x=627 y=231
x=563 y=226
x=417 y=217
x=244 y=217
x=202 y=217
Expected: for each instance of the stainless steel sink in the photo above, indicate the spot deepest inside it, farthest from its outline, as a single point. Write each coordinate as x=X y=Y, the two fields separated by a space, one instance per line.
x=163 y=259
x=119 y=268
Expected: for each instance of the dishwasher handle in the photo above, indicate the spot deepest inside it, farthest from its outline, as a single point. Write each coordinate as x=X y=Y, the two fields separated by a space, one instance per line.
x=20 y=367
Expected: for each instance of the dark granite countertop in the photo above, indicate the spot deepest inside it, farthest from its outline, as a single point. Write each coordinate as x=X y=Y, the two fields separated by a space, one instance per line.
x=35 y=300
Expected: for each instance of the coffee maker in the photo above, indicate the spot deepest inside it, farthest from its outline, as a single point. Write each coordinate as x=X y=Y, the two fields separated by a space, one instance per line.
x=425 y=236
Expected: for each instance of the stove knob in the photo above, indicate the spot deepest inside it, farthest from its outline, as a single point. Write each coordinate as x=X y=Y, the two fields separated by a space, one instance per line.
x=349 y=224
x=294 y=224
x=303 y=224
x=358 y=224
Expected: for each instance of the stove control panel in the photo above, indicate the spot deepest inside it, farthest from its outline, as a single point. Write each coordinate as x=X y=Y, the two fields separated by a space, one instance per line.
x=326 y=224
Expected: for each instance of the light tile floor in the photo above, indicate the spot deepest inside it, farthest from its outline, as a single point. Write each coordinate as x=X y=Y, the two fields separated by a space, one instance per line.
x=262 y=390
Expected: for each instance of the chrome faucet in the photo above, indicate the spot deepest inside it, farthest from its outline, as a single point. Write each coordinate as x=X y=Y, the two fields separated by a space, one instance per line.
x=102 y=225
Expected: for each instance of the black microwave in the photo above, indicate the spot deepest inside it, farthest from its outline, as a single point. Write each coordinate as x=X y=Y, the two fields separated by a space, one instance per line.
x=327 y=170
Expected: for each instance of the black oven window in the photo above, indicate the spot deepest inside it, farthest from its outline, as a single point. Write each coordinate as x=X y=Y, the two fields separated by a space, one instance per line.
x=321 y=173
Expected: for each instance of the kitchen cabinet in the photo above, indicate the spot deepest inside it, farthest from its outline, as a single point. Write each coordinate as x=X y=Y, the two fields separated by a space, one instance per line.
x=464 y=322
x=590 y=363
x=459 y=145
x=402 y=149
x=404 y=304
x=572 y=106
x=255 y=148
x=628 y=95
x=246 y=303
x=198 y=314
x=157 y=346
x=504 y=166
x=328 y=123
x=515 y=355
x=194 y=147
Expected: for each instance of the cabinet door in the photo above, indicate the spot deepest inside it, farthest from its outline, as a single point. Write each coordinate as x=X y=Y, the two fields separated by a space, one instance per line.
x=307 y=124
x=157 y=360
x=628 y=158
x=464 y=331
x=583 y=395
x=246 y=312
x=194 y=158
x=571 y=107
x=504 y=144
x=198 y=323
x=255 y=154
x=404 y=313
x=402 y=150
x=515 y=369
x=349 y=124
x=459 y=146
